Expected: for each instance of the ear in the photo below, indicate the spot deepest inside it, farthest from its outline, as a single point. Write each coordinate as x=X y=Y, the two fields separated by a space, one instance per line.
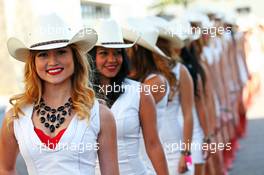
x=136 y=47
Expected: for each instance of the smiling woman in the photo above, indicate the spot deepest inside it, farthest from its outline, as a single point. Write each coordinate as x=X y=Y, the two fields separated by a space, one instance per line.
x=133 y=109
x=55 y=66
x=108 y=61
x=57 y=107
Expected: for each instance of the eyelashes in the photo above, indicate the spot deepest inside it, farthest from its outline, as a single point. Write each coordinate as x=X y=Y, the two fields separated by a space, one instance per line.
x=116 y=52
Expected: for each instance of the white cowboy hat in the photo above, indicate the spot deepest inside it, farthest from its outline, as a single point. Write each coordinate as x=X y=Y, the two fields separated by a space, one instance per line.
x=183 y=29
x=110 y=34
x=198 y=17
x=132 y=28
x=166 y=31
x=51 y=32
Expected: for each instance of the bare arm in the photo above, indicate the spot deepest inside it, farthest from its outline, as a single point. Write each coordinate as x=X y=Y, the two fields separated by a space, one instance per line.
x=157 y=86
x=107 y=152
x=187 y=102
x=8 y=147
x=151 y=138
x=201 y=108
x=209 y=101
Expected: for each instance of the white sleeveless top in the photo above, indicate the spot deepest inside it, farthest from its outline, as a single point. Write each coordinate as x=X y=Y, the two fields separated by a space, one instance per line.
x=197 y=129
x=171 y=132
x=126 y=114
x=160 y=109
x=217 y=49
x=75 y=153
x=208 y=54
x=174 y=118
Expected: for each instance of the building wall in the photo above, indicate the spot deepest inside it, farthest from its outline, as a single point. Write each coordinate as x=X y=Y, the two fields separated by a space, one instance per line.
x=91 y=10
x=16 y=18
x=8 y=80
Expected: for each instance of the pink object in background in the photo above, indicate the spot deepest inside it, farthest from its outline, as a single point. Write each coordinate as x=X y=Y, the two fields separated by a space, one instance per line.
x=188 y=159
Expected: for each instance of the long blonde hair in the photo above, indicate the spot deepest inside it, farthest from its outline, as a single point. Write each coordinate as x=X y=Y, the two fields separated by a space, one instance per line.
x=82 y=94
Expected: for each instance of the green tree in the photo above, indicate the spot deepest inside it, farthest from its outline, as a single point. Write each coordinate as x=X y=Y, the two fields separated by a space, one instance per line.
x=161 y=4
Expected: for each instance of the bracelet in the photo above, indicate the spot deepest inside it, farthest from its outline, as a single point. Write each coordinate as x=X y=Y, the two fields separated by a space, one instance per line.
x=207 y=140
x=188 y=160
x=227 y=110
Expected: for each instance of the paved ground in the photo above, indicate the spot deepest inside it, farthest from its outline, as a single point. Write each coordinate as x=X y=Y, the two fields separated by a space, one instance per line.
x=250 y=158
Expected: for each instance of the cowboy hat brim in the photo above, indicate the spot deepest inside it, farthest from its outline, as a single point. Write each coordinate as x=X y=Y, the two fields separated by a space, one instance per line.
x=115 y=46
x=175 y=41
x=17 y=49
x=121 y=45
x=133 y=36
x=85 y=40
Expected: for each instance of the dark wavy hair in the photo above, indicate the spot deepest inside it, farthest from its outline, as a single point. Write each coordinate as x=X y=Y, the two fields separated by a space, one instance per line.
x=142 y=60
x=118 y=80
x=146 y=62
x=191 y=62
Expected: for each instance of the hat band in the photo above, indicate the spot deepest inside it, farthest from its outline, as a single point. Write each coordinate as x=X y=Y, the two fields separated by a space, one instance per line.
x=106 y=43
x=49 y=42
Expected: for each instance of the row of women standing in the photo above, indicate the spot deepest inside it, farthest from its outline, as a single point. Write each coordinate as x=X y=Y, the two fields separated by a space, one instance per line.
x=155 y=104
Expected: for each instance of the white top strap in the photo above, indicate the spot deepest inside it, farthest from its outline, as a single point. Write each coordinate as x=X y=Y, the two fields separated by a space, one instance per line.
x=151 y=76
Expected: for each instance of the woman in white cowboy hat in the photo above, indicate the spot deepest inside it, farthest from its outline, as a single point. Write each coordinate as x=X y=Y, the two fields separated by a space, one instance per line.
x=130 y=101
x=149 y=66
x=200 y=111
x=56 y=123
x=181 y=102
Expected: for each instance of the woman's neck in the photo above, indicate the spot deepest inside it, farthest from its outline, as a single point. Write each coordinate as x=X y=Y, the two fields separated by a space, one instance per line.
x=104 y=84
x=105 y=81
x=57 y=95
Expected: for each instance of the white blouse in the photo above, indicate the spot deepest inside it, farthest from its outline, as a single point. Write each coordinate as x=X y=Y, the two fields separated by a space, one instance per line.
x=126 y=114
x=75 y=153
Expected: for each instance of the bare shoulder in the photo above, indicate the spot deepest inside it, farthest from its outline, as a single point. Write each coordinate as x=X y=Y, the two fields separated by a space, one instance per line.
x=185 y=75
x=8 y=119
x=145 y=93
x=8 y=124
x=157 y=79
x=147 y=100
x=106 y=116
x=183 y=70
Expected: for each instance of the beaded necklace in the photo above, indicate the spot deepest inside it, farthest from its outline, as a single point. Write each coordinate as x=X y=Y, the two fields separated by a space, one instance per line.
x=53 y=118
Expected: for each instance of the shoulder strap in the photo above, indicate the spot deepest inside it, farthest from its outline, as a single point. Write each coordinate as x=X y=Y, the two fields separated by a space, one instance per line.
x=151 y=76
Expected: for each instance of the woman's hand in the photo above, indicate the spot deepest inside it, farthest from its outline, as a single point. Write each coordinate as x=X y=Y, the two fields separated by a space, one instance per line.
x=182 y=167
x=206 y=152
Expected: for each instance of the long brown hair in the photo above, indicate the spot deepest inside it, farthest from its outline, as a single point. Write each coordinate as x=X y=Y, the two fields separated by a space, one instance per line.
x=82 y=94
x=142 y=61
x=166 y=46
x=145 y=62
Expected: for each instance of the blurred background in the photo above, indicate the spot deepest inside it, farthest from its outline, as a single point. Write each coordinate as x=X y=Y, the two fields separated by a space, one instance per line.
x=16 y=15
